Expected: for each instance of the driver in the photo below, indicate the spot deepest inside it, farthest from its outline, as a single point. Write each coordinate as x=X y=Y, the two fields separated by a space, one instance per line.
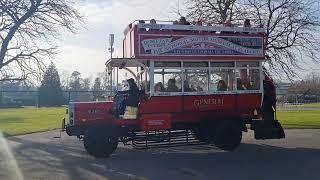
x=133 y=95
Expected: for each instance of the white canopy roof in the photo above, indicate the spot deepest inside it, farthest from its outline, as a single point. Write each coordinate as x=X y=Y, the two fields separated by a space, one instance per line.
x=124 y=63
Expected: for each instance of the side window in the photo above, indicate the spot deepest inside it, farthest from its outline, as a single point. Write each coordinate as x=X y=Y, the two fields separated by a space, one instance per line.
x=167 y=80
x=248 y=79
x=144 y=82
x=196 y=80
x=222 y=79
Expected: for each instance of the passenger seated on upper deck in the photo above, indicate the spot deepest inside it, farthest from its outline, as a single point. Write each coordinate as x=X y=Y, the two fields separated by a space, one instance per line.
x=227 y=24
x=246 y=24
x=153 y=21
x=142 y=22
x=175 y=23
x=222 y=86
x=210 y=25
x=172 y=87
x=198 y=23
x=183 y=21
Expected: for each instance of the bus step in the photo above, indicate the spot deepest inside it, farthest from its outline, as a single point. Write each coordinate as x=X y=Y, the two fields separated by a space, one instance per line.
x=155 y=139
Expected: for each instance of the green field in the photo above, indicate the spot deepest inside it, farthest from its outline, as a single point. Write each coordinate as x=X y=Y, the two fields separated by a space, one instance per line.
x=306 y=119
x=29 y=120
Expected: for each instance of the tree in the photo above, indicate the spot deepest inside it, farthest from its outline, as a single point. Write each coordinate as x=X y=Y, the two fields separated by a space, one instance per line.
x=97 y=88
x=86 y=84
x=291 y=27
x=308 y=86
x=212 y=11
x=26 y=28
x=104 y=77
x=75 y=81
x=50 y=92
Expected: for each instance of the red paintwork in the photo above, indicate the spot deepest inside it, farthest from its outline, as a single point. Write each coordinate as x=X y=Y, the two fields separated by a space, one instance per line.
x=163 y=112
x=150 y=122
x=92 y=112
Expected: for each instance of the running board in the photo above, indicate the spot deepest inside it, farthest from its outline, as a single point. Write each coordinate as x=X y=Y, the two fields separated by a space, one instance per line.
x=156 y=139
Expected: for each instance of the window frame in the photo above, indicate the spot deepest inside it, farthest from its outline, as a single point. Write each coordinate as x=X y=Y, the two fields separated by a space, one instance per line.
x=209 y=70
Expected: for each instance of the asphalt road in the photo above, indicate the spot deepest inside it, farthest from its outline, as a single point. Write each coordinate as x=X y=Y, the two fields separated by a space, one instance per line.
x=41 y=156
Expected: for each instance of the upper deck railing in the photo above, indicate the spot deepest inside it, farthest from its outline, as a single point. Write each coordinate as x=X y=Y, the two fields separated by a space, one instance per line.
x=168 y=25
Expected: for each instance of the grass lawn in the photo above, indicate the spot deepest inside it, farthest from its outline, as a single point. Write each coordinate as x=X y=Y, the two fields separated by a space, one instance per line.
x=28 y=120
x=306 y=119
x=311 y=105
x=307 y=105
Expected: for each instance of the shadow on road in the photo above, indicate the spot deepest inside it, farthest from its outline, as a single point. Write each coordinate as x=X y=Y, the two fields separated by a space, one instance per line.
x=68 y=160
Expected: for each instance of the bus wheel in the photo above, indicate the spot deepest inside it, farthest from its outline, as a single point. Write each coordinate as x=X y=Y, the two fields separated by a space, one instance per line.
x=100 y=141
x=228 y=135
x=205 y=132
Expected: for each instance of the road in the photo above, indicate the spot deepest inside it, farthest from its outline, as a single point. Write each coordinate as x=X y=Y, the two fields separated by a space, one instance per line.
x=42 y=156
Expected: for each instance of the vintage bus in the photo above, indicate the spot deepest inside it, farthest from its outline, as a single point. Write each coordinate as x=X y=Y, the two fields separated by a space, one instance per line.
x=197 y=85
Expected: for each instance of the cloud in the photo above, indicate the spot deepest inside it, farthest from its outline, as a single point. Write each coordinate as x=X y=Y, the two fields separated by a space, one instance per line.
x=86 y=51
x=122 y=12
x=87 y=61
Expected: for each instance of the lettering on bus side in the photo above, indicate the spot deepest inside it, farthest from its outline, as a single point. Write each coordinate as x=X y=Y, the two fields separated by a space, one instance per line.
x=211 y=101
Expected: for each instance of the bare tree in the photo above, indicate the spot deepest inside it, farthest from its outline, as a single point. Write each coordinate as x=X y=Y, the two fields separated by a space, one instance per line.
x=308 y=86
x=212 y=11
x=27 y=28
x=291 y=27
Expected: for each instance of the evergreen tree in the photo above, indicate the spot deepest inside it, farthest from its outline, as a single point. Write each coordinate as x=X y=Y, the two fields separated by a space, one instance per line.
x=75 y=83
x=50 y=92
x=97 y=88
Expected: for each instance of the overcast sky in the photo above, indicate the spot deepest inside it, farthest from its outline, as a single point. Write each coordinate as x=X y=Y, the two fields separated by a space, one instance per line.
x=87 y=52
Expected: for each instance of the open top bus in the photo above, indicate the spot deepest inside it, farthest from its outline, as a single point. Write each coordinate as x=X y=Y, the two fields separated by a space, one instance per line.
x=197 y=85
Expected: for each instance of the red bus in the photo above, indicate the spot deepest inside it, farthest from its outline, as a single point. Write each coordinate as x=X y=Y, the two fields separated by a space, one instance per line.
x=197 y=85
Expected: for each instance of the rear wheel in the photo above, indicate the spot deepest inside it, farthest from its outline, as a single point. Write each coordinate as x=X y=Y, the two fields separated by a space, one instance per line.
x=100 y=141
x=228 y=135
x=205 y=131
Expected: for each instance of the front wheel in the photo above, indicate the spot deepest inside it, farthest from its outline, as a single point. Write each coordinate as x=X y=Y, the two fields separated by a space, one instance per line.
x=228 y=135
x=100 y=141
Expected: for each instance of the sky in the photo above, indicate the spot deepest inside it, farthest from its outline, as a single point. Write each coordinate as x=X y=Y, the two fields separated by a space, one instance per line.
x=86 y=51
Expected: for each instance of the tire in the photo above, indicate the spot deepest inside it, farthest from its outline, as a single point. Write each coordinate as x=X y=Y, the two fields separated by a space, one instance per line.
x=205 y=132
x=100 y=142
x=228 y=135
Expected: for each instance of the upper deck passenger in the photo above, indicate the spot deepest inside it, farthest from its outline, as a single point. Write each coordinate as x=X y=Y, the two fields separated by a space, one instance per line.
x=142 y=22
x=246 y=24
x=153 y=21
x=227 y=24
x=183 y=21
